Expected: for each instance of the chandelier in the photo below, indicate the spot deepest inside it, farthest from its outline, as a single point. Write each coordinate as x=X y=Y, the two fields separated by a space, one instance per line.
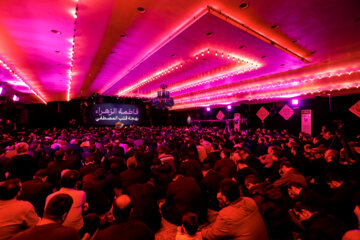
x=163 y=99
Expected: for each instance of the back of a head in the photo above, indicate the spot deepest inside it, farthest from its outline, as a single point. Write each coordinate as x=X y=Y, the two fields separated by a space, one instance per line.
x=229 y=189
x=190 y=223
x=9 y=189
x=59 y=155
x=131 y=162
x=57 y=206
x=122 y=207
x=22 y=147
x=70 y=178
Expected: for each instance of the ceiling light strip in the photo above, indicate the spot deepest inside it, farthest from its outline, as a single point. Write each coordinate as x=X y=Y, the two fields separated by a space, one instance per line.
x=272 y=84
x=249 y=64
x=153 y=50
x=38 y=95
x=70 y=72
x=242 y=26
x=266 y=96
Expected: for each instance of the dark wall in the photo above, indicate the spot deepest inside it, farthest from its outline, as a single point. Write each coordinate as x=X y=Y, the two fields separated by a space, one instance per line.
x=60 y=113
x=323 y=114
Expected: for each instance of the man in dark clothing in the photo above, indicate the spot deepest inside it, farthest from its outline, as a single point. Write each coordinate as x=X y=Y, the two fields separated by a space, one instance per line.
x=225 y=166
x=318 y=226
x=183 y=195
x=99 y=192
x=125 y=228
x=55 y=167
x=89 y=166
x=35 y=191
x=190 y=168
x=50 y=226
x=144 y=204
x=210 y=186
x=22 y=165
x=132 y=175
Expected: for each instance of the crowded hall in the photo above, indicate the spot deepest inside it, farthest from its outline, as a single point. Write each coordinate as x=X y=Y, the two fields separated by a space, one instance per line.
x=183 y=120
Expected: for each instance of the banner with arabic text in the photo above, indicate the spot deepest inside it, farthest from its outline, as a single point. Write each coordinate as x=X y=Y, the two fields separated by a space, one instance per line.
x=111 y=113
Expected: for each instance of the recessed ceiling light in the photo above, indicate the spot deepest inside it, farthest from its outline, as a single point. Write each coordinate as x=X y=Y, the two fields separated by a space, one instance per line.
x=204 y=59
x=208 y=33
x=275 y=26
x=172 y=55
x=263 y=56
x=123 y=35
x=55 y=31
x=244 y=5
x=57 y=51
x=241 y=47
x=294 y=41
x=282 y=65
x=313 y=52
x=141 y=10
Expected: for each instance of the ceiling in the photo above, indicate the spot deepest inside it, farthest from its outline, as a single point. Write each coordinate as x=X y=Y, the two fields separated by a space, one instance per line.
x=209 y=52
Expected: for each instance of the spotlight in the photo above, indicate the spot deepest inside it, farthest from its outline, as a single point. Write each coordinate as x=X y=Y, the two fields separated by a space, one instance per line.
x=208 y=109
x=15 y=98
x=295 y=102
x=1 y=90
x=228 y=107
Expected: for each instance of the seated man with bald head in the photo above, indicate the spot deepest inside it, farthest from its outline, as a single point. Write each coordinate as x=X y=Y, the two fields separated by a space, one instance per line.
x=125 y=228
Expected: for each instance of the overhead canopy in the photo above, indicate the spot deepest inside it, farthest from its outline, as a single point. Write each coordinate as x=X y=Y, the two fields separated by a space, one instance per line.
x=208 y=52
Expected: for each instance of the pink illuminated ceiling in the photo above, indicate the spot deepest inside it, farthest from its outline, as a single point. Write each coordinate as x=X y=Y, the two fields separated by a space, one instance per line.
x=209 y=52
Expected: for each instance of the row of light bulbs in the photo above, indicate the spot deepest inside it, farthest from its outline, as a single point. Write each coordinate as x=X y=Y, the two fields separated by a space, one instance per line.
x=256 y=87
x=72 y=50
x=22 y=81
x=192 y=83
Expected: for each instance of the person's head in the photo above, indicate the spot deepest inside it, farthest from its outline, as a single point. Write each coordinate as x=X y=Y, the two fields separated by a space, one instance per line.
x=244 y=153
x=70 y=178
x=42 y=174
x=250 y=181
x=10 y=189
x=22 y=148
x=285 y=167
x=235 y=156
x=89 y=160
x=122 y=207
x=228 y=192
x=294 y=189
x=205 y=168
x=331 y=155
x=190 y=223
x=304 y=212
x=59 y=155
x=58 y=207
x=225 y=153
x=131 y=162
x=334 y=180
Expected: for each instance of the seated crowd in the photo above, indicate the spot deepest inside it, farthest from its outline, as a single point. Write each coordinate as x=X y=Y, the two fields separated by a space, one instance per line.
x=121 y=183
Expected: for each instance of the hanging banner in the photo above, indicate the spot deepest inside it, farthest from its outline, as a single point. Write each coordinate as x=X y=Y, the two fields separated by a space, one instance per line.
x=220 y=115
x=306 y=121
x=355 y=109
x=237 y=117
x=262 y=113
x=286 y=112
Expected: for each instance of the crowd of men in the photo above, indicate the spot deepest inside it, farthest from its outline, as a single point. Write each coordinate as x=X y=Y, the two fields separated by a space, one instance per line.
x=121 y=183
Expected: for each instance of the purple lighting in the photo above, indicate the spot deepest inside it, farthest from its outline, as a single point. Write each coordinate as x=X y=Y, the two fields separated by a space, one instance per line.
x=295 y=102
x=15 y=98
x=228 y=107
x=208 y=109
x=1 y=90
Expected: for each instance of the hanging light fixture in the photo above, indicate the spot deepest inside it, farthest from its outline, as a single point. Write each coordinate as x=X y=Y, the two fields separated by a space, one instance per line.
x=163 y=99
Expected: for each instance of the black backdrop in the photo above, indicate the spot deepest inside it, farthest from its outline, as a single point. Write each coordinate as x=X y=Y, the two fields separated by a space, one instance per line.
x=60 y=113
